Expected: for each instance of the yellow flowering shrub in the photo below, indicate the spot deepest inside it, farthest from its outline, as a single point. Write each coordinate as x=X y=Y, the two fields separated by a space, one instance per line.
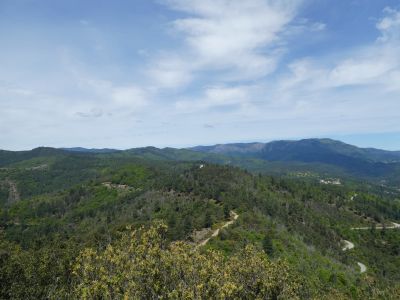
x=141 y=265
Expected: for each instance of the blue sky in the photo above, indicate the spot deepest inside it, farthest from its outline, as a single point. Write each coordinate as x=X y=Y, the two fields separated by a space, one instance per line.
x=126 y=74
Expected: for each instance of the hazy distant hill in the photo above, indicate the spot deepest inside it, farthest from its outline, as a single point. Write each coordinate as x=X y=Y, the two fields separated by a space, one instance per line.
x=9 y=157
x=315 y=155
x=91 y=150
x=307 y=150
x=322 y=156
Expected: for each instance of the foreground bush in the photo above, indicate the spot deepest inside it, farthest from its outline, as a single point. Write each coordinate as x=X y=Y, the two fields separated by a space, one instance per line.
x=141 y=265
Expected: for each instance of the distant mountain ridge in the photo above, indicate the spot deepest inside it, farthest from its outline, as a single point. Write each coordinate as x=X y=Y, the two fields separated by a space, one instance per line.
x=306 y=150
x=9 y=157
x=90 y=150
x=325 y=157
x=237 y=148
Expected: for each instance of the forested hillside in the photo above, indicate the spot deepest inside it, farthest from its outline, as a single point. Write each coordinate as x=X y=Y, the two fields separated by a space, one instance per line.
x=302 y=150
x=319 y=155
x=140 y=224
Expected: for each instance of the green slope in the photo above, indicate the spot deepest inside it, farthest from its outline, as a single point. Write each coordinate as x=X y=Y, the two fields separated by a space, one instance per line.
x=87 y=200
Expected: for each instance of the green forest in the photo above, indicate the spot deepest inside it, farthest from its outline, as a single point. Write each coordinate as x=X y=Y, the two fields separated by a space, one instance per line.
x=135 y=225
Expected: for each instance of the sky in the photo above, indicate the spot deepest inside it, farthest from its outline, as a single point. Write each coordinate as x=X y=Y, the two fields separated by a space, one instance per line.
x=132 y=73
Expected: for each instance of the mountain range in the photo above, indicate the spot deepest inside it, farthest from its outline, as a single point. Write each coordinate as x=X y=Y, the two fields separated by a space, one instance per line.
x=319 y=155
x=306 y=150
x=325 y=157
x=66 y=211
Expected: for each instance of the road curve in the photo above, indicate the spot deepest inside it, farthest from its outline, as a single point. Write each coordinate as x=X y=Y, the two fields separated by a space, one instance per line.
x=348 y=246
x=363 y=268
x=216 y=231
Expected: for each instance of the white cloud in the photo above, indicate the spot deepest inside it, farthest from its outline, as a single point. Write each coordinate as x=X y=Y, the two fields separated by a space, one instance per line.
x=228 y=69
x=366 y=66
x=389 y=25
x=303 y=26
x=359 y=71
x=353 y=90
x=111 y=96
x=374 y=63
x=215 y=97
x=356 y=90
x=239 y=39
x=170 y=72
x=131 y=97
x=318 y=26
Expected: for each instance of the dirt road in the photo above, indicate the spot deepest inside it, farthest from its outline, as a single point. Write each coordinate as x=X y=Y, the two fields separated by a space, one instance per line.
x=394 y=226
x=216 y=231
x=348 y=246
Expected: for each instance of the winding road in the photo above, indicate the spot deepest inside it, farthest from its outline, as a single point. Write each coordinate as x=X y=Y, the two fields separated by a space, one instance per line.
x=348 y=246
x=217 y=231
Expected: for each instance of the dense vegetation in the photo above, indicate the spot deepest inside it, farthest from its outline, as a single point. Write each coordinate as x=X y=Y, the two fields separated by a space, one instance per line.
x=76 y=230
x=141 y=265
